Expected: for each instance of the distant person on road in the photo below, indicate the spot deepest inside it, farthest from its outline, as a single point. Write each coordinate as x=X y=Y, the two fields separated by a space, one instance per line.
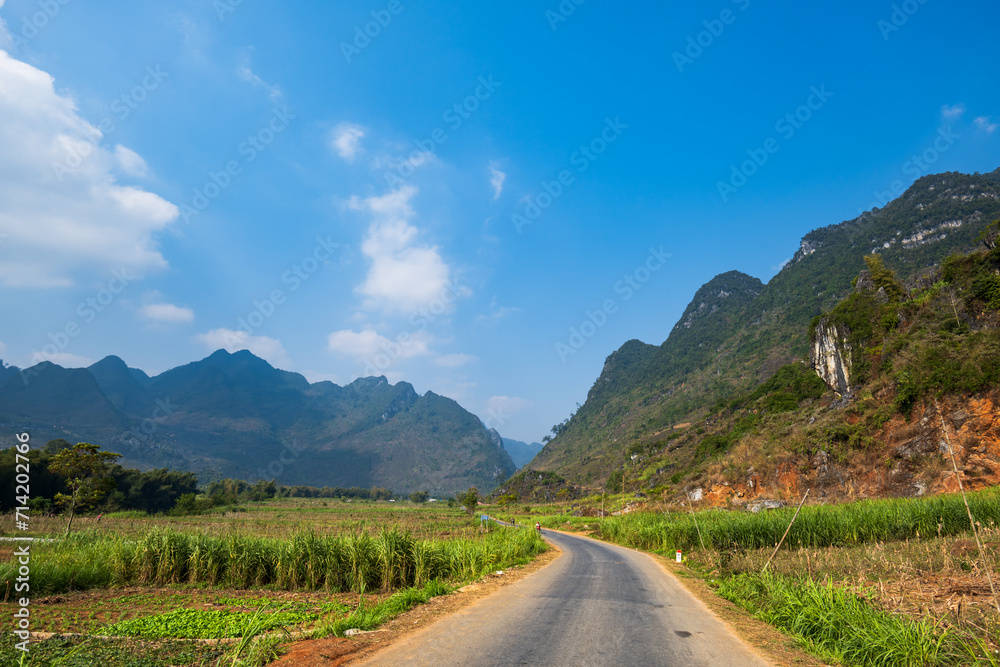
x=538 y=527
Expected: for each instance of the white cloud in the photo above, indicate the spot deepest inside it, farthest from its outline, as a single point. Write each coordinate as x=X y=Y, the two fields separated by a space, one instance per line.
x=269 y=349
x=130 y=162
x=983 y=123
x=64 y=359
x=167 y=313
x=345 y=139
x=60 y=204
x=366 y=344
x=497 y=179
x=454 y=360
x=5 y=40
x=952 y=112
x=403 y=276
x=247 y=74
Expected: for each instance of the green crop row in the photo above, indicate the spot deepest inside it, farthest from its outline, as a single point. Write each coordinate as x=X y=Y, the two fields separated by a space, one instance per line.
x=816 y=526
x=391 y=560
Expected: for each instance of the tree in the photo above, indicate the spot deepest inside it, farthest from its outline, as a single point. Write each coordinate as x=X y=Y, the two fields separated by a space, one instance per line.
x=470 y=499
x=419 y=496
x=87 y=470
x=883 y=277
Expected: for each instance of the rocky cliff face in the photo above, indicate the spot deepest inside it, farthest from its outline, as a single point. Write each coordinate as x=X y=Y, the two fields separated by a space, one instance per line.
x=906 y=458
x=830 y=356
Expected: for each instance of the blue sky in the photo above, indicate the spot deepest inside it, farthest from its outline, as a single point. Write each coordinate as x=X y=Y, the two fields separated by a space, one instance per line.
x=448 y=198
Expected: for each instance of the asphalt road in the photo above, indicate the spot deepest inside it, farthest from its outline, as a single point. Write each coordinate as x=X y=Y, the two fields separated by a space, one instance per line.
x=597 y=604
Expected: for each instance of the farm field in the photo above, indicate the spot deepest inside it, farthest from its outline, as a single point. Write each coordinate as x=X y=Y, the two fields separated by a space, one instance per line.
x=907 y=571
x=229 y=587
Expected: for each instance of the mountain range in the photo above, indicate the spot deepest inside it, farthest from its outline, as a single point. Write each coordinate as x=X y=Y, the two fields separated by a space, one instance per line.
x=737 y=331
x=234 y=415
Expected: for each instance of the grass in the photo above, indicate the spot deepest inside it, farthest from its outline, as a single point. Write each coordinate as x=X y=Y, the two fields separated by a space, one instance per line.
x=840 y=625
x=817 y=526
x=360 y=562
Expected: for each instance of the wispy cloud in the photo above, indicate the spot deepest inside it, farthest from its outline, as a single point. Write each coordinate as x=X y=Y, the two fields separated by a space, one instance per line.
x=130 y=162
x=952 y=112
x=245 y=73
x=986 y=124
x=496 y=313
x=367 y=343
x=345 y=140
x=167 y=313
x=497 y=179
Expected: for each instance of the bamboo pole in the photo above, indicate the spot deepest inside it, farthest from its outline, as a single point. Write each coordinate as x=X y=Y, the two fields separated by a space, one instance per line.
x=697 y=527
x=782 y=540
x=972 y=522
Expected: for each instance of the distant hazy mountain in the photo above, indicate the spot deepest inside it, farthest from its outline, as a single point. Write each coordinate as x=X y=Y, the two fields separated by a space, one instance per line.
x=234 y=415
x=521 y=452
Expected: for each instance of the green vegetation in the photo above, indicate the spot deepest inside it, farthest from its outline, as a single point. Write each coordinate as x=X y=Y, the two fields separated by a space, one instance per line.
x=840 y=625
x=367 y=618
x=76 y=652
x=87 y=472
x=785 y=390
x=111 y=488
x=360 y=562
x=862 y=522
x=198 y=624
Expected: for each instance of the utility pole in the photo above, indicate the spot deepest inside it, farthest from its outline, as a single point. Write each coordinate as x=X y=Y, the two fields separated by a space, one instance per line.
x=624 y=470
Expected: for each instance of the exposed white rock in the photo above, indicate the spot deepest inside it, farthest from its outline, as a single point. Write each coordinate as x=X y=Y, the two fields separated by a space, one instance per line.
x=830 y=356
